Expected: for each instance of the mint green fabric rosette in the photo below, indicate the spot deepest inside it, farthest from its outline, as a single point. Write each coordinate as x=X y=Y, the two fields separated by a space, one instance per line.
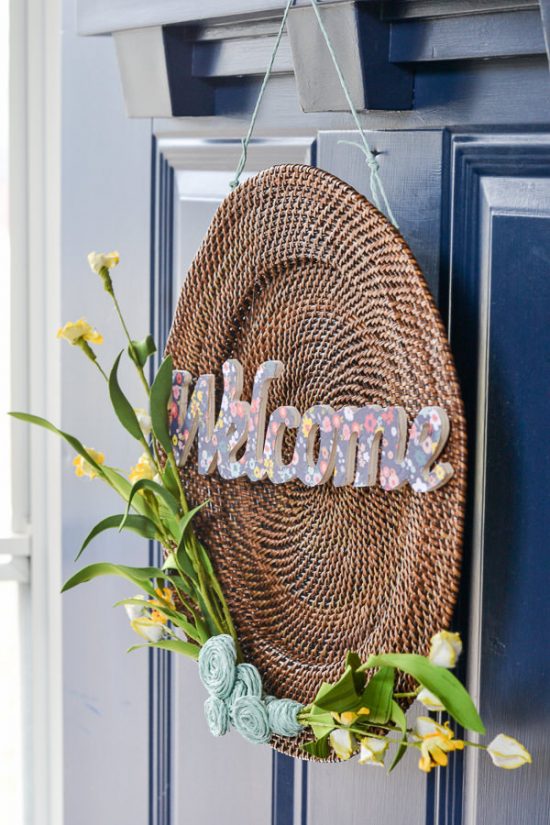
x=217 y=666
x=282 y=715
x=248 y=682
x=217 y=716
x=251 y=720
x=236 y=696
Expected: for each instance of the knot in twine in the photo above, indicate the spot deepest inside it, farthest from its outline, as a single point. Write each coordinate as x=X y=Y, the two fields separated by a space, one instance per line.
x=251 y=720
x=283 y=716
x=217 y=716
x=217 y=666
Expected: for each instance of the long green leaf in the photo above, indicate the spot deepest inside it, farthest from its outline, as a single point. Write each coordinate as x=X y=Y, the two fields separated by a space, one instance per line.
x=120 y=484
x=178 y=646
x=141 y=576
x=160 y=395
x=138 y=524
x=439 y=681
x=157 y=489
x=174 y=645
x=183 y=559
x=400 y=720
x=318 y=748
x=320 y=721
x=70 y=439
x=378 y=694
x=121 y=405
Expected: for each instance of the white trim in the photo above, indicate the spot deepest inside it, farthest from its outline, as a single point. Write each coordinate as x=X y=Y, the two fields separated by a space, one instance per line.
x=35 y=119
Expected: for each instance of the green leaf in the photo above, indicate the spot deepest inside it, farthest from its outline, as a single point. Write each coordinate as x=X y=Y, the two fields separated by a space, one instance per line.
x=157 y=489
x=398 y=717
x=178 y=646
x=438 y=680
x=353 y=660
x=318 y=748
x=140 y=576
x=123 y=487
x=340 y=696
x=139 y=351
x=138 y=524
x=160 y=395
x=185 y=520
x=70 y=439
x=320 y=721
x=174 y=645
x=169 y=480
x=121 y=405
x=378 y=695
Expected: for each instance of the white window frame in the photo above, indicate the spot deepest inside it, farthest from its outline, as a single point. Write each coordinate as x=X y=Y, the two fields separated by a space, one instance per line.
x=34 y=547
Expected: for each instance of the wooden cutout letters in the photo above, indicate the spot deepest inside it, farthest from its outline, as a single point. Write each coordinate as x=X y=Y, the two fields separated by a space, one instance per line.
x=353 y=445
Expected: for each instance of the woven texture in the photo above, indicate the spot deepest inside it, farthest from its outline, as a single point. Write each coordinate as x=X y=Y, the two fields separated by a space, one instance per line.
x=298 y=266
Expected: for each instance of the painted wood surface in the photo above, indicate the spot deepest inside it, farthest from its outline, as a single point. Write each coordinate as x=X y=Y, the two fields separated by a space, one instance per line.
x=500 y=212
x=104 y=205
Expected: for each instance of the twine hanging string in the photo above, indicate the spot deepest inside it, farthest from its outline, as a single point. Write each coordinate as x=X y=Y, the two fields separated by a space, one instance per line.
x=377 y=187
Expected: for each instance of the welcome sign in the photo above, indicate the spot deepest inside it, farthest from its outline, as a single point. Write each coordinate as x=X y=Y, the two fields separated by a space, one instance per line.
x=354 y=445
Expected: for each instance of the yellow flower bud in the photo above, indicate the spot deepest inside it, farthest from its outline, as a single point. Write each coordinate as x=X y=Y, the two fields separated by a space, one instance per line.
x=373 y=751
x=101 y=260
x=143 y=469
x=83 y=467
x=78 y=331
x=343 y=743
x=430 y=700
x=506 y=752
x=445 y=648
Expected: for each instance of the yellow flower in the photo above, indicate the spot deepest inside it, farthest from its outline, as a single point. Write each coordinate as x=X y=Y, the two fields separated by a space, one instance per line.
x=83 y=467
x=373 y=751
x=506 y=752
x=436 y=742
x=151 y=628
x=166 y=596
x=348 y=717
x=430 y=700
x=100 y=260
x=445 y=648
x=143 y=469
x=77 y=331
x=343 y=743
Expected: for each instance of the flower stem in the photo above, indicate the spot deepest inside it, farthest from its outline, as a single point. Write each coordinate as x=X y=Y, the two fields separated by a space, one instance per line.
x=110 y=290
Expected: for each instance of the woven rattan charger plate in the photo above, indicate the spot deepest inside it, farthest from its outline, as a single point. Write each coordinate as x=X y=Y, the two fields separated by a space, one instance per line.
x=298 y=266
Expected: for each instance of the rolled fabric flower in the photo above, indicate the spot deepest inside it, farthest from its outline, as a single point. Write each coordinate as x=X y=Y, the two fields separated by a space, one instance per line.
x=282 y=715
x=248 y=682
x=217 y=668
x=251 y=720
x=217 y=716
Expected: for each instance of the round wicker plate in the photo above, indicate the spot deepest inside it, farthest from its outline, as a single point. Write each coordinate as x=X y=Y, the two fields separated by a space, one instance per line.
x=298 y=266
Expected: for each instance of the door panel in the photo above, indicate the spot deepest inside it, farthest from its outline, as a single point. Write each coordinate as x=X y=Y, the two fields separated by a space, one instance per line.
x=500 y=299
x=474 y=210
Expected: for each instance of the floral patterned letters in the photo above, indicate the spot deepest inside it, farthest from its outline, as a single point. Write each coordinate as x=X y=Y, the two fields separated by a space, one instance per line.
x=356 y=445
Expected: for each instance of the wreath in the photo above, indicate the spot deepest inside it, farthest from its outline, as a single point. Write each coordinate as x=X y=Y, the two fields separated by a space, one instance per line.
x=181 y=606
